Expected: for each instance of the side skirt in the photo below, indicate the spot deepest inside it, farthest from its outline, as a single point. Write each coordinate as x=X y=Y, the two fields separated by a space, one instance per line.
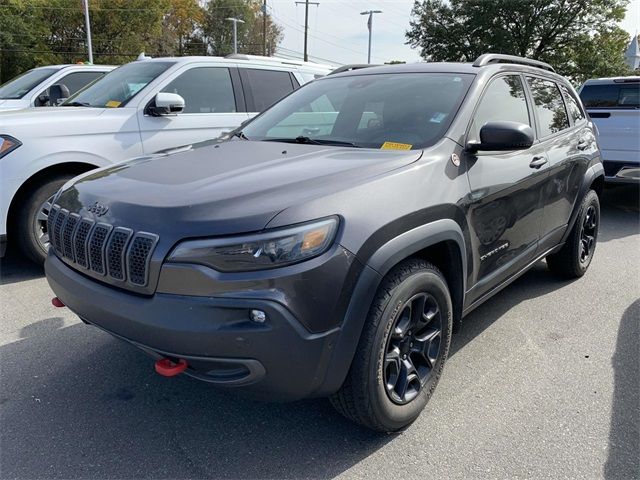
x=509 y=280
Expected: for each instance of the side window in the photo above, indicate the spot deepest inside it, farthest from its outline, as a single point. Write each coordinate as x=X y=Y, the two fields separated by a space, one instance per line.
x=503 y=100
x=549 y=106
x=266 y=87
x=205 y=90
x=78 y=80
x=576 y=113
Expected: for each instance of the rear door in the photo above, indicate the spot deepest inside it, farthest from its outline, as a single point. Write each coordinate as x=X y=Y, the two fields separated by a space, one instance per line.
x=263 y=87
x=213 y=105
x=568 y=141
x=615 y=109
x=505 y=210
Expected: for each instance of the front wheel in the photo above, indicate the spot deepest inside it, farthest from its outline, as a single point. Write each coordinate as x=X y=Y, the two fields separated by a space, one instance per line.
x=575 y=256
x=402 y=349
x=33 y=236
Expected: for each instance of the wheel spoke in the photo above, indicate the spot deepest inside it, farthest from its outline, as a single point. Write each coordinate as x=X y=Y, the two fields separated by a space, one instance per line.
x=417 y=311
x=407 y=375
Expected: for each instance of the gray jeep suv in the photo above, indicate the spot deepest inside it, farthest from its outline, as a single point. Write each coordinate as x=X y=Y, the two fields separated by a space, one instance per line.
x=332 y=246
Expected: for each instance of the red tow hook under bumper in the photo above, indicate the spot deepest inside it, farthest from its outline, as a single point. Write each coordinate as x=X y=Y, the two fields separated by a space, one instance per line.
x=168 y=368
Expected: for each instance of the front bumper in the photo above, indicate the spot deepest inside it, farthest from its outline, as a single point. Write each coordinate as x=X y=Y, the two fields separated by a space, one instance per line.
x=278 y=360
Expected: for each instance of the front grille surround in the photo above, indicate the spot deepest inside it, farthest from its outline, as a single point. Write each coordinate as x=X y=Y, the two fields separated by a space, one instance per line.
x=114 y=254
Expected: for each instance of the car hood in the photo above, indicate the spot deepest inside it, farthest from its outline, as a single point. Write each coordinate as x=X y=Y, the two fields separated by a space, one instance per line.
x=11 y=104
x=227 y=188
x=33 y=121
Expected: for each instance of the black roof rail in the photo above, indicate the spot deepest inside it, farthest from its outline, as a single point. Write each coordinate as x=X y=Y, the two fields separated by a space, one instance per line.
x=489 y=58
x=354 y=66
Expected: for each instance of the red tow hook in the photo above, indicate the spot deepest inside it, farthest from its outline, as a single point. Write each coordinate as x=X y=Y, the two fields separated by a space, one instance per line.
x=167 y=368
x=56 y=302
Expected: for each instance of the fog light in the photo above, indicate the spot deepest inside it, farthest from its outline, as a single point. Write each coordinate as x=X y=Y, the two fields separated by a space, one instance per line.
x=258 y=316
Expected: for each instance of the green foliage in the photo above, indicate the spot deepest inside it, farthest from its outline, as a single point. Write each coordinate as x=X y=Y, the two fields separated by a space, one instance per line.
x=44 y=32
x=579 y=37
x=219 y=31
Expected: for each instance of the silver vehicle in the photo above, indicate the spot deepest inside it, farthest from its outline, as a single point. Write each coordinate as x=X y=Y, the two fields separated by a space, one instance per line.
x=614 y=106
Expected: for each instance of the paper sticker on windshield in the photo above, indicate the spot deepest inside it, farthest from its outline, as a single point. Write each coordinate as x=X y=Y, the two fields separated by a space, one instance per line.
x=112 y=104
x=438 y=117
x=395 y=146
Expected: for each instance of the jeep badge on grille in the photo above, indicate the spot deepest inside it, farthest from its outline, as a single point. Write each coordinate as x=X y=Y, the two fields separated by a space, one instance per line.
x=98 y=209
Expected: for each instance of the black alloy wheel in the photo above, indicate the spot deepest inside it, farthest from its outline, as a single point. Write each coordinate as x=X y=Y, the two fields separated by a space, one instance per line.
x=588 y=234
x=412 y=348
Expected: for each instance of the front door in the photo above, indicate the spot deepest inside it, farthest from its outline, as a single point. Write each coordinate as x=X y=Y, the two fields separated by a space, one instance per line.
x=210 y=110
x=505 y=207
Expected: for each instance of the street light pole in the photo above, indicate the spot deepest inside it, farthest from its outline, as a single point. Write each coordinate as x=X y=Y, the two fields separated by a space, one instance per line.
x=264 y=28
x=370 y=27
x=86 y=21
x=235 y=32
x=306 y=4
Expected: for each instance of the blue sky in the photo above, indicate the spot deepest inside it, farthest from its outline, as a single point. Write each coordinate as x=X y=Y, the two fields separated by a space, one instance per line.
x=338 y=32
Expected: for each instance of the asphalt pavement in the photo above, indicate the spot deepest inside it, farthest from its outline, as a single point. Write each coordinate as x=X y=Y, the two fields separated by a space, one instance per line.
x=543 y=382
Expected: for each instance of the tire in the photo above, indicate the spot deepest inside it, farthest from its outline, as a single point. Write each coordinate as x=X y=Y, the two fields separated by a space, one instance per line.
x=573 y=260
x=371 y=393
x=32 y=215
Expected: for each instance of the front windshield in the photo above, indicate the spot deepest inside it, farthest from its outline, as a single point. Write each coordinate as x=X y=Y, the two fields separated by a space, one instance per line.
x=119 y=86
x=20 y=86
x=391 y=111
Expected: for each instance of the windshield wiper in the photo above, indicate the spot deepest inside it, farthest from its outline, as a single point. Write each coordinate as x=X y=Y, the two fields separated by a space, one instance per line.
x=240 y=134
x=76 y=104
x=313 y=141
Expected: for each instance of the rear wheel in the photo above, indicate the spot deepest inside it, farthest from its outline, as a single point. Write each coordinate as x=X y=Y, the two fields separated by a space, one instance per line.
x=575 y=256
x=33 y=236
x=402 y=349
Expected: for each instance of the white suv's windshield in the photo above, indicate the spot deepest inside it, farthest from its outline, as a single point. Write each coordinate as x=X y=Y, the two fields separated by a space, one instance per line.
x=116 y=88
x=396 y=111
x=18 y=87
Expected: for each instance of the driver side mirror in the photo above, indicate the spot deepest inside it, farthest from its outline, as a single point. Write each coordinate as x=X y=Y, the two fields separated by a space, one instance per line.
x=167 y=104
x=503 y=136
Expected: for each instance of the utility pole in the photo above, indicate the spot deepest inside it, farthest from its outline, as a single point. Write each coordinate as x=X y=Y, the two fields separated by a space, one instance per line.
x=370 y=27
x=86 y=21
x=235 y=32
x=264 y=28
x=306 y=4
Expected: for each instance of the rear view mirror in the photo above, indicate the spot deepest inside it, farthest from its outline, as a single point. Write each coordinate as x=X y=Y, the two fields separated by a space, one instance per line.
x=167 y=104
x=503 y=136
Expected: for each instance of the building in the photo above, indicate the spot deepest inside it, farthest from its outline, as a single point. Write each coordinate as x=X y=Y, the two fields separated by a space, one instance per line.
x=632 y=55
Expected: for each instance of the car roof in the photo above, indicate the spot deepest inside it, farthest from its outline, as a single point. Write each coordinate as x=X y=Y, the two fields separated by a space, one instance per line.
x=611 y=80
x=451 y=67
x=248 y=59
x=78 y=65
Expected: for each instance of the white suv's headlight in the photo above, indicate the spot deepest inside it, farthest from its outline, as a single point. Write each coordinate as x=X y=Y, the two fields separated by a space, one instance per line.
x=271 y=249
x=8 y=144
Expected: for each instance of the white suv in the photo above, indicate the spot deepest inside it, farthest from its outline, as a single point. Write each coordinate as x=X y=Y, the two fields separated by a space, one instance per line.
x=46 y=86
x=140 y=108
x=614 y=106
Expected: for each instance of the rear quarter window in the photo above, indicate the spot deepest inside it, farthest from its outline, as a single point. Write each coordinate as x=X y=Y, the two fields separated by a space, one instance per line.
x=611 y=95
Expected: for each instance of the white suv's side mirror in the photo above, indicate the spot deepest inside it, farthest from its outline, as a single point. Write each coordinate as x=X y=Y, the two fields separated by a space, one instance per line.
x=168 y=103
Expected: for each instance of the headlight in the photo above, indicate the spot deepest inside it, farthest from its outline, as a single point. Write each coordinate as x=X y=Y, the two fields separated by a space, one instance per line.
x=8 y=144
x=275 y=248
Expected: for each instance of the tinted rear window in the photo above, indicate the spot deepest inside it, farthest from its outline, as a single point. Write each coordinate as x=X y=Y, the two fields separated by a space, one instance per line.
x=614 y=95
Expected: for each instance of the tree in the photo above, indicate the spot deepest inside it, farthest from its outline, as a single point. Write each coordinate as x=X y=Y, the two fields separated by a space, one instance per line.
x=218 y=31
x=561 y=32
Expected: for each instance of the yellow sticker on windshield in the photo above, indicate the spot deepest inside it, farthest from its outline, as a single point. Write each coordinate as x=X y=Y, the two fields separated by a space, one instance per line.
x=112 y=104
x=395 y=146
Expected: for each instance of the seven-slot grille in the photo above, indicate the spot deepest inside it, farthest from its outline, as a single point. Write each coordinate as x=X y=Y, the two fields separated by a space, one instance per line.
x=117 y=252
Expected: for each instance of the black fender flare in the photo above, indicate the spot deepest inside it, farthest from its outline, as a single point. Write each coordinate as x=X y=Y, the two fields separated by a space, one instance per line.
x=378 y=265
x=593 y=172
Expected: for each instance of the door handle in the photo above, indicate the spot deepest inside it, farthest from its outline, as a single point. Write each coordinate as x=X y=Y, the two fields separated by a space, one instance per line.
x=582 y=145
x=537 y=162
